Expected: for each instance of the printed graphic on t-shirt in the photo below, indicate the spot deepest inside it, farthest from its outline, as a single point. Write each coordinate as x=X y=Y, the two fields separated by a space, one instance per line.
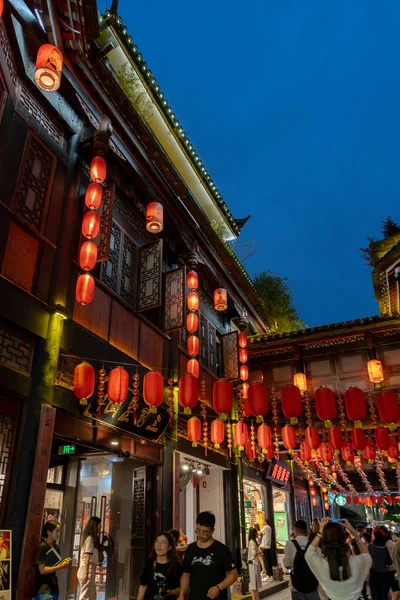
x=161 y=583
x=206 y=561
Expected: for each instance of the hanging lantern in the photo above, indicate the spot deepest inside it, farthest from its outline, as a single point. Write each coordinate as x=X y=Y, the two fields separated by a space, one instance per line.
x=192 y=280
x=1 y=8
x=311 y=482
x=334 y=476
x=118 y=384
x=356 y=500
x=242 y=339
x=292 y=406
x=313 y=491
x=243 y=355
x=388 y=408
x=335 y=439
x=244 y=372
x=154 y=217
x=193 y=345
x=349 y=500
x=300 y=381
x=264 y=437
x=326 y=506
x=325 y=405
x=312 y=437
x=98 y=169
x=188 y=392
x=222 y=397
x=389 y=499
x=194 y=431
x=91 y=225
x=289 y=438
x=88 y=256
x=247 y=410
x=193 y=301
x=49 y=64
x=245 y=391
x=373 y=500
x=325 y=452
x=217 y=432
x=250 y=453
x=370 y=451
x=93 y=196
x=192 y=322
x=314 y=501
x=375 y=371
x=220 y=299
x=324 y=489
x=305 y=453
x=84 y=289
x=356 y=406
x=241 y=434
x=382 y=438
x=381 y=500
x=153 y=390
x=258 y=400
x=325 y=497
x=193 y=367
x=358 y=439
x=347 y=453
x=269 y=452
x=84 y=380
x=393 y=450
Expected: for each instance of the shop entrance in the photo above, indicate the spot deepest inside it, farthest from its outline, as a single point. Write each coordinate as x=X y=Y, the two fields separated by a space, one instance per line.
x=254 y=504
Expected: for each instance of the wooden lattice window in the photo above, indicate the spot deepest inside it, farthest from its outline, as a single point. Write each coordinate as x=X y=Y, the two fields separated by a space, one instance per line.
x=119 y=271
x=6 y=442
x=393 y=292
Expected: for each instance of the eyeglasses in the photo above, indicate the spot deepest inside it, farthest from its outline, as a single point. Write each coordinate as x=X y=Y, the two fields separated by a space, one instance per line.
x=203 y=534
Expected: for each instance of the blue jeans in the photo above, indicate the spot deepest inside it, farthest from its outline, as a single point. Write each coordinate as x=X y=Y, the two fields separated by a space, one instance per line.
x=305 y=595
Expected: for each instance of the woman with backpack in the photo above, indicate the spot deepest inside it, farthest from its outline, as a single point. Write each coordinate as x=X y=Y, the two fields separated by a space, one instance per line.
x=340 y=574
x=254 y=564
x=381 y=576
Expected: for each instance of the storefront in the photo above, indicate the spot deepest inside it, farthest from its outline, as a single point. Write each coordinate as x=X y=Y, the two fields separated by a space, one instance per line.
x=254 y=503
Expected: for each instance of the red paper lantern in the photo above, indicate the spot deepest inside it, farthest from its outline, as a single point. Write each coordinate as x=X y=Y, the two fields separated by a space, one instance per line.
x=325 y=452
x=154 y=217
x=118 y=384
x=242 y=339
x=356 y=500
x=194 y=430
x=91 y=225
x=243 y=355
x=334 y=476
x=192 y=280
x=220 y=299
x=373 y=500
x=356 y=406
x=289 y=437
x=84 y=291
x=292 y=406
x=153 y=390
x=84 y=380
x=393 y=450
x=305 y=452
x=244 y=372
x=48 y=71
x=192 y=322
x=324 y=489
x=241 y=434
x=313 y=491
x=188 y=392
x=269 y=452
x=314 y=501
x=312 y=437
x=347 y=452
x=358 y=439
x=193 y=301
x=388 y=408
x=381 y=500
x=325 y=405
x=382 y=438
x=370 y=451
x=349 y=499
x=326 y=506
x=325 y=497
x=98 y=169
x=250 y=453
x=311 y=482
x=245 y=391
x=217 y=432
x=93 y=196
x=1 y=8
x=335 y=438
x=222 y=396
x=193 y=345
x=247 y=410
x=389 y=499
x=193 y=367
x=264 y=437
x=88 y=256
x=396 y=499
x=258 y=400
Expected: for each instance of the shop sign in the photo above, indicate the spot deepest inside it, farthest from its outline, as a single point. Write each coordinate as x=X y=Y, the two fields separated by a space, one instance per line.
x=247 y=503
x=331 y=498
x=340 y=500
x=278 y=472
x=281 y=528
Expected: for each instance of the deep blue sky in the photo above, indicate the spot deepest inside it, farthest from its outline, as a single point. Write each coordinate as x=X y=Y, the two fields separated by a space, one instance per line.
x=294 y=107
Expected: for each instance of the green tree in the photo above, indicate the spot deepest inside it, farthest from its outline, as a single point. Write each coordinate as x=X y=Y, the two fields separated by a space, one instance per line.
x=389 y=228
x=276 y=296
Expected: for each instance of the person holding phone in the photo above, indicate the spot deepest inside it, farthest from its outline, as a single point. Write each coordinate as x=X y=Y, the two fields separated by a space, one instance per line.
x=47 y=562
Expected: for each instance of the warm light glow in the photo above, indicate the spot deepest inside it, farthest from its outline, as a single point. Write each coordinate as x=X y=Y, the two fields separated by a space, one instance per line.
x=193 y=301
x=93 y=196
x=245 y=391
x=118 y=385
x=300 y=381
x=192 y=322
x=193 y=367
x=84 y=289
x=98 y=169
x=193 y=344
x=375 y=371
x=313 y=491
x=326 y=506
x=220 y=299
x=88 y=256
x=244 y=372
x=154 y=217
x=314 y=501
x=1 y=8
x=242 y=339
x=49 y=64
x=192 y=280
x=311 y=482
x=243 y=355
x=91 y=225
x=324 y=490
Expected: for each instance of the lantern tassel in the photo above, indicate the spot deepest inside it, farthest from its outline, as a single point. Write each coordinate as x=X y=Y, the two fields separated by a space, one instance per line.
x=83 y=401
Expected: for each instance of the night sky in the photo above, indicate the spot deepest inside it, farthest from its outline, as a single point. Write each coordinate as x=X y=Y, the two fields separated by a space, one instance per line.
x=294 y=107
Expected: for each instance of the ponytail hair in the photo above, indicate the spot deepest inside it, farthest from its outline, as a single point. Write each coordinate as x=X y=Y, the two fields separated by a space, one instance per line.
x=336 y=550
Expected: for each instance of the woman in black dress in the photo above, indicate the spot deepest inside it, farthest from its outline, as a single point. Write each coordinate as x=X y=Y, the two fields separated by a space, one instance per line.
x=161 y=576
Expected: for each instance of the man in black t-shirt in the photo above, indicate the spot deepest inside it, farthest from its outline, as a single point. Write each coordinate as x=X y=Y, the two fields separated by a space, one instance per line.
x=208 y=567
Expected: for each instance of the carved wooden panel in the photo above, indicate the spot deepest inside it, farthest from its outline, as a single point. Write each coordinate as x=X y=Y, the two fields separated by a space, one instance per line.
x=35 y=181
x=127 y=271
x=16 y=350
x=230 y=350
x=103 y=245
x=27 y=103
x=212 y=348
x=109 y=269
x=6 y=442
x=138 y=505
x=20 y=257
x=7 y=57
x=150 y=275
x=135 y=224
x=174 y=299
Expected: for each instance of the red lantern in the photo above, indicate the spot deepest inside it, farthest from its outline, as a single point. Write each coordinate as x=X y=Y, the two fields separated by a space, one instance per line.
x=192 y=280
x=356 y=406
x=154 y=217
x=347 y=452
x=358 y=439
x=258 y=400
x=313 y=491
x=396 y=499
x=382 y=438
x=393 y=450
x=289 y=438
x=118 y=384
x=84 y=378
x=325 y=497
x=264 y=437
x=91 y=225
x=88 y=256
x=247 y=410
x=325 y=452
x=244 y=372
x=388 y=408
x=314 y=501
x=349 y=499
x=241 y=434
x=311 y=482
x=84 y=289
x=193 y=367
x=305 y=452
x=300 y=381
x=188 y=392
x=98 y=169
x=250 y=453
x=334 y=476
x=1 y=8
x=222 y=396
x=325 y=405
x=153 y=390
x=312 y=437
x=335 y=438
x=93 y=196
x=193 y=345
x=49 y=64
x=291 y=403
x=193 y=301
x=269 y=452
x=217 y=432
x=245 y=391
x=370 y=451
x=192 y=322
x=243 y=356
x=324 y=489
x=373 y=500
x=381 y=500
x=326 y=506
x=194 y=430
x=220 y=299
x=356 y=500
x=389 y=499
x=242 y=339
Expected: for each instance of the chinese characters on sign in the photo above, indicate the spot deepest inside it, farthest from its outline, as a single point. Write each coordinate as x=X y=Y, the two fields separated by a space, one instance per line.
x=278 y=472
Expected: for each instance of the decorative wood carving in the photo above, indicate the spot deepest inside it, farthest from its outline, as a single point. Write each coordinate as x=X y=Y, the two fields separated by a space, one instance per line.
x=26 y=102
x=128 y=270
x=109 y=269
x=105 y=223
x=230 y=350
x=174 y=299
x=150 y=276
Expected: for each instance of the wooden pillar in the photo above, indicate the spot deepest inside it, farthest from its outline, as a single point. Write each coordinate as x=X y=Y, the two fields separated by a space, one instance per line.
x=168 y=485
x=231 y=498
x=242 y=515
x=270 y=517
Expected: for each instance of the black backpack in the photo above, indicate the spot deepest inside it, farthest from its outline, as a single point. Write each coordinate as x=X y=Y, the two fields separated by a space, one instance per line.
x=303 y=579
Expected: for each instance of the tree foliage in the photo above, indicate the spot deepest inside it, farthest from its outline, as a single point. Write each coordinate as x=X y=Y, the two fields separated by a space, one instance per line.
x=389 y=228
x=135 y=91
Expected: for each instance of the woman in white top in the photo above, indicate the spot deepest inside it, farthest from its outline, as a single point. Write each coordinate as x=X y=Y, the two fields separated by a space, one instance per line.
x=254 y=564
x=90 y=559
x=340 y=575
